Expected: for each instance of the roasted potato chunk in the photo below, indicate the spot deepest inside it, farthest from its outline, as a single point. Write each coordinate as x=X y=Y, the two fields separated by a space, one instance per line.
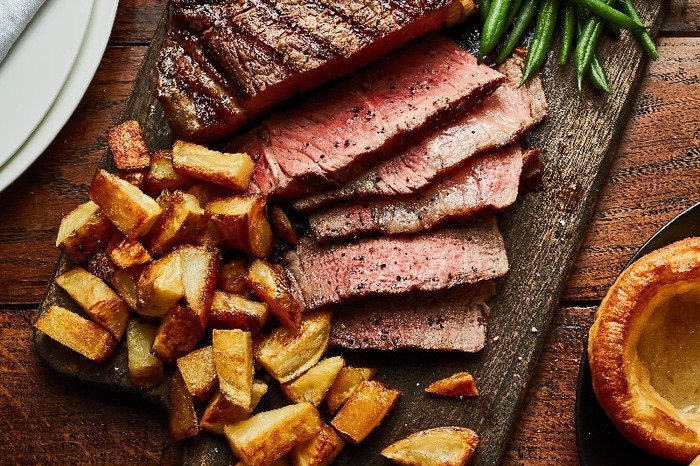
x=145 y=369
x=126 y=206
x=459 y=384
x=128 y=147
x=160 y=285
x=282 y=226
x=345 y=385
x=267 y=436
x=232 y=276
x=77 y=333
x=125 y=283
x=198 y=371
x=272 y=287
x=231 y=170
x=230 y=310
x=177 y=334
x=126 y=253
x=313 y=384
x=182 y=222
x=364 y=410
x=242 y=223
x=97 y=299
x=200 y=265
x=84 y=231
x=319 y=450
x=162 y=174
x=137 y=178
x=221 y=412
x=286 y=353
x=182 y=422
x=442 y=446
x=233 y=358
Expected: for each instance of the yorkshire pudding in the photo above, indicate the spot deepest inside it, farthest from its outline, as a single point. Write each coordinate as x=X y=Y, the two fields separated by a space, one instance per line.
x=644 y=352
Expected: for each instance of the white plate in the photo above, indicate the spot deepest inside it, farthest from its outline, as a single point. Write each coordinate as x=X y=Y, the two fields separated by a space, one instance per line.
x=89 y=56
x=33 y=73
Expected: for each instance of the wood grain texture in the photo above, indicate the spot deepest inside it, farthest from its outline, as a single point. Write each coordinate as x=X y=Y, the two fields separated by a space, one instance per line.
x=683 y=18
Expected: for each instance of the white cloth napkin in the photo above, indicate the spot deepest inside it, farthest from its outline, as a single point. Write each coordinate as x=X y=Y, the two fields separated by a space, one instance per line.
x=14 y=17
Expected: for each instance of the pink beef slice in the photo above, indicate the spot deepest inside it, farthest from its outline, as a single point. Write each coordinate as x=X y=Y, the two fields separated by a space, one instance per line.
x=226 y=62
x=487 y=183
x=337 y=133
x=448 y=320
x=324 y=275
x=505 y=116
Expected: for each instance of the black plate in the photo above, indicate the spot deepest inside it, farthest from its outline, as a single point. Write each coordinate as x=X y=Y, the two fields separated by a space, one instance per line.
x=599 y=443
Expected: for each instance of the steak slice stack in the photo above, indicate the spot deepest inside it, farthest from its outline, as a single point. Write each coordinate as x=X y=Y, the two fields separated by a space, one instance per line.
x=226 y=62
x=498 y=122
x=487 y=183
x=324 y=275
x=337 y=133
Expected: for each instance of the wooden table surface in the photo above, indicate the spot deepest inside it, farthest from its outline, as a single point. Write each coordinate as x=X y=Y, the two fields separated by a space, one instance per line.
x=47 y=419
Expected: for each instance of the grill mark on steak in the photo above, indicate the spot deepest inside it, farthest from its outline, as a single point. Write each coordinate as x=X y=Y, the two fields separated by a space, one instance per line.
x=488 y=183
x=451 y=320
x=498 y=122
x=324 y=275
x=341 y=130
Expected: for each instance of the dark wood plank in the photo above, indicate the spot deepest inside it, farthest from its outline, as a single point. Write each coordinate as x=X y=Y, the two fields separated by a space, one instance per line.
x=656 y=174
x=683 y=18
x=136 y=21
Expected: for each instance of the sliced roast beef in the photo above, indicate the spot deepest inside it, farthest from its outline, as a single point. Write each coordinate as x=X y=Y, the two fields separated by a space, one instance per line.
x=337 y=273
x=258 y=53
x=336 y=133
x=449 y=320
x=487 y=183
x=498 y=122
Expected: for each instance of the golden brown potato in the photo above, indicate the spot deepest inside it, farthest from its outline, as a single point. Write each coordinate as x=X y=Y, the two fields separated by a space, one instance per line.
x=101 y=266
x=271 y=286
x=364 y=410
x=145 y=369
x=84 y=231
x=126 y=206
x=345 y=385
x=233 y=359
x=128 y=147
x=97 y=299
x=125 y=252
x=207 y=192
x=200 y=265
x=459 y=384
x=230 y=310
x=232 y=276
x=125 y=283
x=319 y=450
x=286 y=353
x=198 y=371
x=242 y=223
x=77 y=333
x=162 y=174
x=182 y=222
x=313 y=384
x=231 y=170
x=182 y=422
x=160 y=285
x=221 y=412
x=177 y=334
x=137 y=178
x=442 y=446
x=282 y=226
x=269 y=435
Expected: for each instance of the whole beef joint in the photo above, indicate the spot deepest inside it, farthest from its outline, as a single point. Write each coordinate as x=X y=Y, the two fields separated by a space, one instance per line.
x=499 y=121
x=487 y=183
x=324 y=275
x=225 y=62
x=335 y=134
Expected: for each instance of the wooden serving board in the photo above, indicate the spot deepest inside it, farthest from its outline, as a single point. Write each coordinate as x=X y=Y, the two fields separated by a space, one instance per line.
x=543 y=233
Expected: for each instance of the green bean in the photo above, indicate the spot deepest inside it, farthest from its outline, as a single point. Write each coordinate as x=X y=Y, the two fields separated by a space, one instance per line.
x=494 y=26
x=608 y=13
x=597 y=75
x=586 y=47
x=567 y=32
x=544 y=29
x=644 y=39
x=523 y=21
x=514 y=10
x=484 y=7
